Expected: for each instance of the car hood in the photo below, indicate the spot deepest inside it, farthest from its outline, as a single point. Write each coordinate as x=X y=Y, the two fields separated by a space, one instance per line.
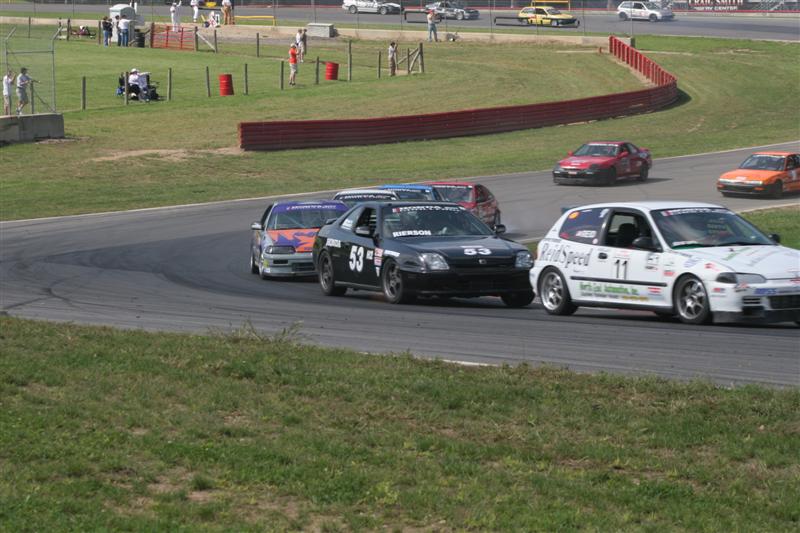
x=453 y=248
x=301 y=239
x=750 y=174
x=584 y=161
x=772 y=262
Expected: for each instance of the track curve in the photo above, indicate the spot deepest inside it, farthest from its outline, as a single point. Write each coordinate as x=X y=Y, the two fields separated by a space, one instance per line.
x=185 y=269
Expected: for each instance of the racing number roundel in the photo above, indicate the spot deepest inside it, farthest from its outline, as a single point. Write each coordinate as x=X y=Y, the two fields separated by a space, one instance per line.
x=357 y=258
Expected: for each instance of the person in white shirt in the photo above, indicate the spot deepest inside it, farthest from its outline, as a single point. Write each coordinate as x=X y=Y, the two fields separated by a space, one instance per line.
x=8 y=82
x=175 y=15
x=23 y=81
x=392 y=58
x=122 y=27
x=301 y=49
x=227 y=12
x=195 y=9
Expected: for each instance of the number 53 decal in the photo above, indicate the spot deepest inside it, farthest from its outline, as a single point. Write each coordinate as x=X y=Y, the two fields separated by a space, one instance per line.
x=477 y=251
x=357 y=258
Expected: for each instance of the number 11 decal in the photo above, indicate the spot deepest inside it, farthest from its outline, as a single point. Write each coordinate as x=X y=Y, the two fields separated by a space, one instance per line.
x=621 y=266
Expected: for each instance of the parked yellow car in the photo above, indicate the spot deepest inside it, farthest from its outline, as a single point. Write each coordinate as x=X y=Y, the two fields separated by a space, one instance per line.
x=547 y=16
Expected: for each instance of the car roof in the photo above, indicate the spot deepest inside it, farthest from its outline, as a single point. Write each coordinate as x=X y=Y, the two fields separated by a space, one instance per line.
x=453 y=183
x=364 y=191
x=410 y=203
x=412 y=186
x=324 y=203
x=607 y=142
x=782 y=154
x=647 y=205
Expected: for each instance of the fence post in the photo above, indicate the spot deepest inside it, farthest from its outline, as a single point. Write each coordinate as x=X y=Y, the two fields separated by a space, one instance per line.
x=349 y=60
x=195 y=39
x=316 y=73
x=282 y=67
x=258 y=45
x=408 y=61
x=216 y=48
x=208 y=84
x=126 y=87
x=152 y=32
x=379 y=64
x=69 y=27
x=29 y=27
x=169 y=84
x=246 y=87
x=421 y=59
x=83 y=93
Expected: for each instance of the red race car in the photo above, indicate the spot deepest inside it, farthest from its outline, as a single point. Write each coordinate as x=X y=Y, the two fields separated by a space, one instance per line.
x=602 y=163
x=475 y=197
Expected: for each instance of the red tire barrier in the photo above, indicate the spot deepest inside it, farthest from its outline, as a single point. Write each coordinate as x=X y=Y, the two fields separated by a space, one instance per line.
x=331 y=71
x=347 y=132
x=225 y=84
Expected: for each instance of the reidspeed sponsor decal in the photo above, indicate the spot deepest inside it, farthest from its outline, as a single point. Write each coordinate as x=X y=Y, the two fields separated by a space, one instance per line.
x=411 y=233
x=391 y=253
x=563 y=255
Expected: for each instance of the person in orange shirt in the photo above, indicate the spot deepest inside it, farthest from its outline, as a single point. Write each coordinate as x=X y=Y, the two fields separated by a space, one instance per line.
x=293 y=64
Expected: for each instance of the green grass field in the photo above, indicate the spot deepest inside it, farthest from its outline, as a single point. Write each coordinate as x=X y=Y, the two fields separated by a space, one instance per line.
x=113 y=430
x=184 y=151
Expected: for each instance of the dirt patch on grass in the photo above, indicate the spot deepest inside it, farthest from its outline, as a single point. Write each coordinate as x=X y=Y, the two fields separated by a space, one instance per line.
x=175 y=155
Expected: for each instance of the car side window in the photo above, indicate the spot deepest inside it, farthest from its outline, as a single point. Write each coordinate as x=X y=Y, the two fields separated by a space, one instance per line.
x=624 y=228
x=792 y=162
x=265 y=215
x=368 y=218
x=631 y=148
x=349 y=223
x=482 y=195
x=583 y=226
x=540 y=11
x=638 y=6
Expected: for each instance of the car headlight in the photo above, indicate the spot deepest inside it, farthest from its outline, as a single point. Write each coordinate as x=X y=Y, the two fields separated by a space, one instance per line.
x=594 y=168
x=523 y=260
x=279 y=249
x=735 y=278
x=434 y=261
x=557 y=168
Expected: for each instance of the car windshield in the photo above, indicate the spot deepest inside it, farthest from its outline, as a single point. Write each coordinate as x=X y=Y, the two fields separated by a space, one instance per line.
x=351 y=199
x=427 y=220
x=763 y=162
x=651 y=5
x=454 y=193
x=302 y=217
x=696 y=227
x=554 y=11
x=602 y=150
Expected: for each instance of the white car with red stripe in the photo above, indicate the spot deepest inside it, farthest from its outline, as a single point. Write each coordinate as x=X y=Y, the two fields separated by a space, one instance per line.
x=698 y=261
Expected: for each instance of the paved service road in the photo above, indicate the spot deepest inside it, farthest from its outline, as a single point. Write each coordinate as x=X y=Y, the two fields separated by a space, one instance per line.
x=186 y=269
x=704 y=25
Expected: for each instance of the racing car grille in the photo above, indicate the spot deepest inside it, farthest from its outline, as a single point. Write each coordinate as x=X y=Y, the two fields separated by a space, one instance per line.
x=490 y=265
x=790 y=301
x=302 y=267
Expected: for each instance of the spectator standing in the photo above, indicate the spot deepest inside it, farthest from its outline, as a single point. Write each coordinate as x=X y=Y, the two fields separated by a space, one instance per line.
x=23 y=82
x=122 y=30
x=8 y=82
x=108 y=28
x=227 y=12
x=293 y=64
x=116 y=29
x=195 y=9
x=304 y=43
x=175 y=15
x=432 y=35
x=298 y=40
x=392 y=58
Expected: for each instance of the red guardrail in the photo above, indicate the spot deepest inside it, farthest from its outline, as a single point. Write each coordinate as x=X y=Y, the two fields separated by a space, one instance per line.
x=347 y=132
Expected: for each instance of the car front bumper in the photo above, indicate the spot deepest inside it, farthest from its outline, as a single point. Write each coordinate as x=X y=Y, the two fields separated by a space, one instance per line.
x=284 y=265
x=454 y=283
x=581 y=177
x=744 y=189
x=768 y=303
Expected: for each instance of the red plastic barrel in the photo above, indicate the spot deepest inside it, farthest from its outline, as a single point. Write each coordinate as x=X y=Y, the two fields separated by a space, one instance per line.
x=331 y=71
x=225 y=84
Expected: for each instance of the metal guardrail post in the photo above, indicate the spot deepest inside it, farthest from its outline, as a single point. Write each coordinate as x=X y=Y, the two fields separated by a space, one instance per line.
x=208 y=84
x=246 y=84
x=283 y=65
x=169 y=84
x=83 y=93
x=316 y=73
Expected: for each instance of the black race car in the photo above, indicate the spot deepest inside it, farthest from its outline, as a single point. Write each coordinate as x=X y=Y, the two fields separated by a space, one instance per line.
x=409 y=249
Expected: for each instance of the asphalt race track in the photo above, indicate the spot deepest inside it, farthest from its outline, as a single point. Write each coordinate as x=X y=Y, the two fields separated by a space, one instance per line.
x=186 y=269
x=754 y=26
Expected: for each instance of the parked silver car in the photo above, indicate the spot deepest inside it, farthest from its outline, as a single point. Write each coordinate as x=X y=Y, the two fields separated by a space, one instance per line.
x=644 y=11
x=370 y=6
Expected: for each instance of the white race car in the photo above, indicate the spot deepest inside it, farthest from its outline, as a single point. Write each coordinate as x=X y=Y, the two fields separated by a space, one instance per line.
x=698 y=261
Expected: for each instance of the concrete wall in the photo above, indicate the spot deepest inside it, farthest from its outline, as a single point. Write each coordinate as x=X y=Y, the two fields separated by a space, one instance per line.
x=28 y=128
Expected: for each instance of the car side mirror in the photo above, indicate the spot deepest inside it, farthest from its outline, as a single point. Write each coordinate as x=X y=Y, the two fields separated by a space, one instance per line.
x=330 y=221
x=645 y=243
x=499 y=229
x=623 y=153
x=775 y=237
x=363 y=231
x=256 y=226
x=570 y=153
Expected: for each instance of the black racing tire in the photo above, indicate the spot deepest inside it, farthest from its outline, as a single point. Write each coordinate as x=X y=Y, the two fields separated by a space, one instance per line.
x=726 y=194
x=393 y=284
x=459 y=16
x=352 y=10
x=776 y=191
x=623 y=16
x=253 y=263
x=691 y=301
x=653 y=18
x=327 y=280
x=611 y=177
x=518 y=299
x=554 y=293
x=644 y=173
x=383 y=10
